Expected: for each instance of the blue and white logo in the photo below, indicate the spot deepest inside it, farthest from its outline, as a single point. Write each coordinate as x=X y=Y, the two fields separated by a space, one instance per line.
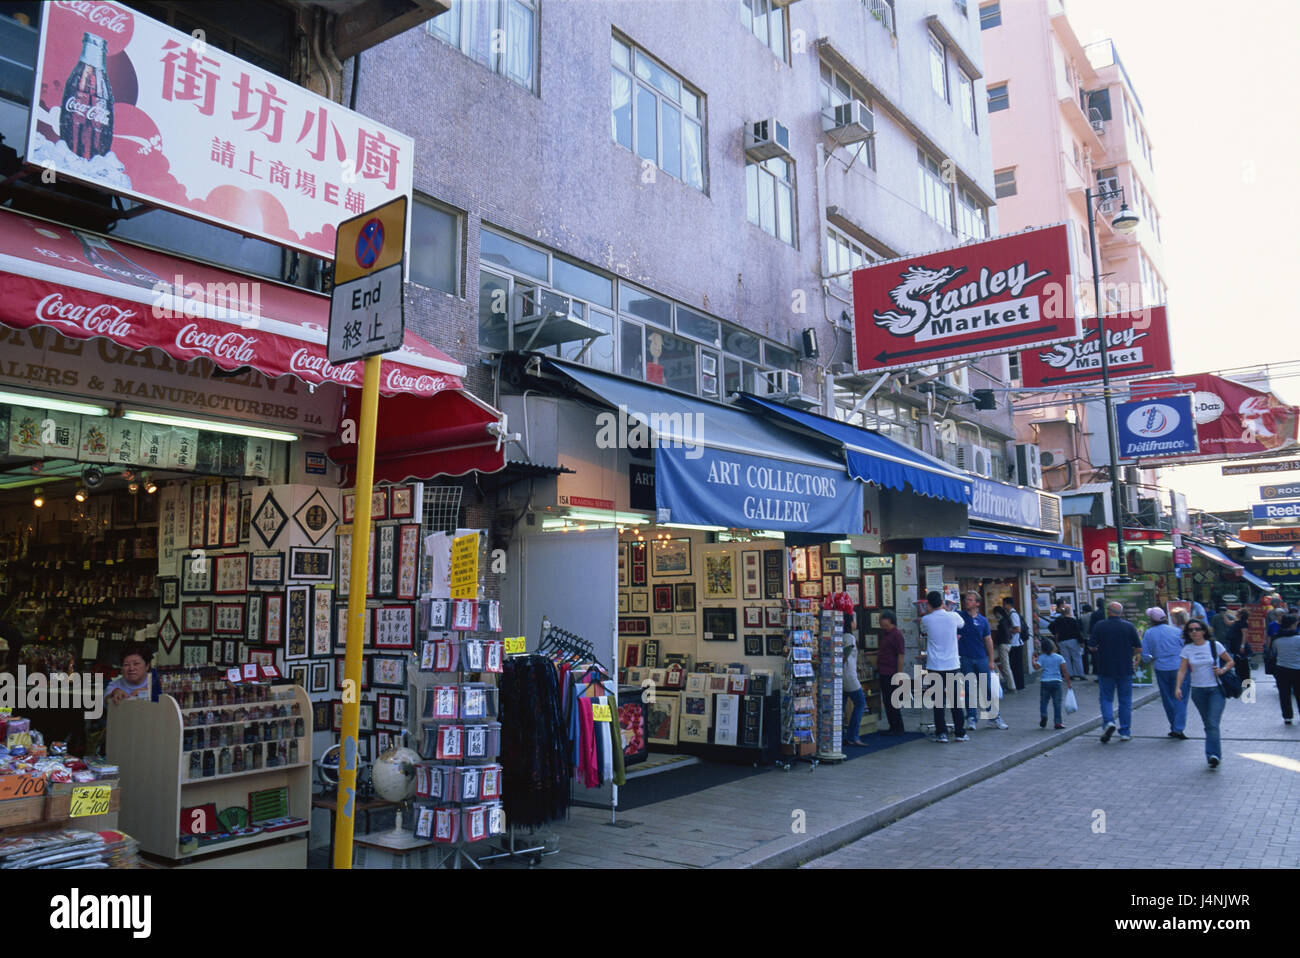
x=1155 y=428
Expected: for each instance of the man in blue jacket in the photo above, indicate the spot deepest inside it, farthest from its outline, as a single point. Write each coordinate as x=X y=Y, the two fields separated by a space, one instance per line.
x=1163 y=645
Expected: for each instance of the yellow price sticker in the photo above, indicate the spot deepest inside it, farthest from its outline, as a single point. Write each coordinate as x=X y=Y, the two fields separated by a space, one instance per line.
x=516 y=645
x=601 y=713
x=89 y=800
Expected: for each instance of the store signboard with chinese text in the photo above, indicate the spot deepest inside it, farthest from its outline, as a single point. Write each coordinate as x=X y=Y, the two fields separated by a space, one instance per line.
x=129 y=105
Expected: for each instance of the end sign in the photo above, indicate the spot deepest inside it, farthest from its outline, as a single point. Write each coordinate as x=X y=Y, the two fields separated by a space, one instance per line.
x=366 y=314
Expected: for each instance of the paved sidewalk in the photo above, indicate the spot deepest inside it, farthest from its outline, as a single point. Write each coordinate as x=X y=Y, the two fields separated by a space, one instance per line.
x=753 y=822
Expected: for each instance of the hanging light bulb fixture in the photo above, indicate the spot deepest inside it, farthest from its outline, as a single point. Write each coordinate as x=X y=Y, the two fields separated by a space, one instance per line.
x=81 y=494
x=39 y=500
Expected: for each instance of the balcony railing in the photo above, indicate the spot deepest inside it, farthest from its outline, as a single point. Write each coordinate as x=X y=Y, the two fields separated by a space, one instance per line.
x=883 y=11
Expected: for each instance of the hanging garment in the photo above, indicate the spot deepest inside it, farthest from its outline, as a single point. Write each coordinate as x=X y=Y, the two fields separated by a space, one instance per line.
x=535 y=745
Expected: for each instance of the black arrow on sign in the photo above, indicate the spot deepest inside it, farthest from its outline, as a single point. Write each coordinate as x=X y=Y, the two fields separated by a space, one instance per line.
x=1083 y=378
x=883 y=357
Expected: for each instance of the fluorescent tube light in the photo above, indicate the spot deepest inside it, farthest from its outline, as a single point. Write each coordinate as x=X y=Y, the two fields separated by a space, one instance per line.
x=54 y=405
x=231 y=428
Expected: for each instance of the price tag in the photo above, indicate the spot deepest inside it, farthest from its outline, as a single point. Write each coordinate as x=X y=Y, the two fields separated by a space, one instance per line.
x=600 y=713
x=85 y=566
x=21 y=786
x=89 y=800
x=6 y=710
x=516 y=645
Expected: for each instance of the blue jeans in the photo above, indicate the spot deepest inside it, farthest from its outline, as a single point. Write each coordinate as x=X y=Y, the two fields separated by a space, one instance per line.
x=1175 y=709
x=1108 y=685
x=859 y=699
x=1210 y=702
x=978 y=666
x=1050 y=691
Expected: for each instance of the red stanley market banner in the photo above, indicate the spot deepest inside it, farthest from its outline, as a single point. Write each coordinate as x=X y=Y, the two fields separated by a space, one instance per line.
x=1009 y=293
x=132 y=106
x=86 y=286
x=1138 y=345
x=1231 y=419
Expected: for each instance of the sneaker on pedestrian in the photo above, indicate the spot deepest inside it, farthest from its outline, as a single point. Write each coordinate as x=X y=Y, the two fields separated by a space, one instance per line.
x=963 y=737
x=970 y=725
x=1178 y=735
x=1110 y=730
x=1214 y=761
x=1058 y=725
x=1042 y=721
x=941 y=739
x=998 y=723
x=1287 y=721
x=1125 y=738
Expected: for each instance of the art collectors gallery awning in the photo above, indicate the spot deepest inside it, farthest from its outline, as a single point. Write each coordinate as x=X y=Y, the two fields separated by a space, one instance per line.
x=991 y=543
x=872 y=457
x=86 y=286
x=721 y=466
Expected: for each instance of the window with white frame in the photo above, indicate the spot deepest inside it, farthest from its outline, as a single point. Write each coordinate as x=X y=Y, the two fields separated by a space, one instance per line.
x=1004 y=183
x=836 y=92
x=936 y=198
x=769 y=194
x=972 y=219
x=500 y=34
x=990 y=16
x=767 y=22
x=966 y=98
x=842 y=256
x=656 y=115
x=938 y=67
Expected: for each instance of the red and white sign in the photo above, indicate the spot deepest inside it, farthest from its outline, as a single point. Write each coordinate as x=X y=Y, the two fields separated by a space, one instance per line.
x=1004 y=294
x=86 y=286
x=1098 y=544
x=1138 y=346
x=130 y=105
x=1231 y=419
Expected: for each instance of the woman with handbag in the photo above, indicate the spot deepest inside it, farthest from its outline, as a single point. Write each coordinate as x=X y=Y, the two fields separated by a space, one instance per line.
x=1208 y=696
x=1284 y=655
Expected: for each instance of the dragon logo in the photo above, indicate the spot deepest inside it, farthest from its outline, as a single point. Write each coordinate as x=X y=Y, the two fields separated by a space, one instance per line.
x=910 y=298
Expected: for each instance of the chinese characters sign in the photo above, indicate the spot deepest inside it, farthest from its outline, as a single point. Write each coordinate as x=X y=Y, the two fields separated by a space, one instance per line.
x=130 y=105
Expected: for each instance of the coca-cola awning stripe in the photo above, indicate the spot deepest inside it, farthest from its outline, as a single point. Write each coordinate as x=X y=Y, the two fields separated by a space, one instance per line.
x=86 y=286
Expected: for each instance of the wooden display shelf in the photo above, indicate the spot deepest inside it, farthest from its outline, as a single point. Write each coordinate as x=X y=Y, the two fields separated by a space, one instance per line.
x=249 y=840
x=254 y=771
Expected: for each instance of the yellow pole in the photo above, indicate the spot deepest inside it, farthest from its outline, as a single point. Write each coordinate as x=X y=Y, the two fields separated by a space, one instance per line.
x=345 y=818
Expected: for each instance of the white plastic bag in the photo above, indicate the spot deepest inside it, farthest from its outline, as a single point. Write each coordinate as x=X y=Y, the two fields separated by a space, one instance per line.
x=995 y=687
x=1071 y=703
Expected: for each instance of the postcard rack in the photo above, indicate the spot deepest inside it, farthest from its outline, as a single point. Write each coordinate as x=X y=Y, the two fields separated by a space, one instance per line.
x=798 y=690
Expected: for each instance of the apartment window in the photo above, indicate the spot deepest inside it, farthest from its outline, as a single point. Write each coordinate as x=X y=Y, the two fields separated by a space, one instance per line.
x=972 y=220
x=1013 y=367
x=990 y=16
x=769 y=191
x=966 y=91
x=435 y=240
x=936 y=198
x=938 y=68
x=767 y=22
x=842 y=256
x=998 y=98
x=837 y=92
x=1004 y=183
x=500 y=34
x=656 y=115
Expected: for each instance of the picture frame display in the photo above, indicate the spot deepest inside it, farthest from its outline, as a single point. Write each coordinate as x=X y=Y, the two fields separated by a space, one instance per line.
x=230 y=515
x=196 y=654
x=814 y=562
x=311 y=564
x=751 y=572
x=753 y=644
x=661 y=625
x=266 y=568
x=198 y=515
x=684 y=625
x=196 y=574
x=663 y=596
x=887 y=598
x=196 y=618
x=623 y=603
x=773 y=577
x=408 y=561
x=394 y=627
x=388 y=671
x=319 y=677
x=228 y=618
x=719 y=576
x=684 y=597
x=401 y=502
x=215 y=525
x=322 y=602
x=230 y=574
x=273 y=619
x=662 y=718
x=169 y=592
x=256 y=603
x=640 y=602
x=623 y=564
x=671 y=557
x=316 y=517
x=719 y=625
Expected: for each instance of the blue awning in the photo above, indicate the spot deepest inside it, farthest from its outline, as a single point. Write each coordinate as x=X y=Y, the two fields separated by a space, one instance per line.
x=1256 y=581
x=1214 y=555
x=872 y=457
x=991 y=543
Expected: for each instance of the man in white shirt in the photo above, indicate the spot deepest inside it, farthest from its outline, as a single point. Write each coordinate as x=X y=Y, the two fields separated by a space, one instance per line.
x=939 y=645
x=1015 y=653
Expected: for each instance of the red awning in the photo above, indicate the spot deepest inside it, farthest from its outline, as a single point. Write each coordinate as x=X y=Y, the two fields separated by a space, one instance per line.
x=87 y=286
x=421 y=438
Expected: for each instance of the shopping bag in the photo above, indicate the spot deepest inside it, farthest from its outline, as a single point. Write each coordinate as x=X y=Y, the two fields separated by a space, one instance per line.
x=1071 y=703
x=995 y=687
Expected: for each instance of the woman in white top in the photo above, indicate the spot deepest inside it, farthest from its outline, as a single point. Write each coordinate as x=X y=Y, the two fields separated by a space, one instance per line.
x=1198 y=657
x=853 y=690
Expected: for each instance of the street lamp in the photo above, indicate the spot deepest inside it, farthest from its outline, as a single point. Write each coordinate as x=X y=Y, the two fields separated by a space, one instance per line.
x=1125 y=221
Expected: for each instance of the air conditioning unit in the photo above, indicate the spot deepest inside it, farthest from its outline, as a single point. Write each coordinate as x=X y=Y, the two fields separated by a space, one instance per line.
x=1051 y=458
x=850 y=122
x=781 y=384
x=542 y=305
x=975 y=459
x=1098 y=123
x=1029 y=467
x=767 y=139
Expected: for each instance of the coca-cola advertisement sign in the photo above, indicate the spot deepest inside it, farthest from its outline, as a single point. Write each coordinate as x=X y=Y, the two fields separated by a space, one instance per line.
x=129 y=105
x=99 y=319
x=979 y=299
x=1138 y=346
x=1232 y=419
x=232 y=346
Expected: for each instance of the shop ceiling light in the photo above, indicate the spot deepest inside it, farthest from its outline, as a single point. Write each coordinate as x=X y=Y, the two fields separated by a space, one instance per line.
x=81 y=494
x=626 y=518
x=39 y=501
x=683 y=525
x=149 y=485
x=51 y=405
x=226 y=427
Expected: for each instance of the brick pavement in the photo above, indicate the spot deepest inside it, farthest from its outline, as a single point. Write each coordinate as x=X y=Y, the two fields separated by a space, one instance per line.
x=748 y=823
x=1162 y=806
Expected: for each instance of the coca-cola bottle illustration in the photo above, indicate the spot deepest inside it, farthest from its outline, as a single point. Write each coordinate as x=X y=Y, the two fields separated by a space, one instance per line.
x=86 y=120
x=115 y=265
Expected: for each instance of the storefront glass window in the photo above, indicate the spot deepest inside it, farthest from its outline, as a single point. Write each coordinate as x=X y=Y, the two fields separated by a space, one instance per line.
x=630 y=350
x=493 y=310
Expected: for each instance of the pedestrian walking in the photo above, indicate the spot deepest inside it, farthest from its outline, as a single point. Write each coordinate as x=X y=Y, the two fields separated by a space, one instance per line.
x=1056 y=671
x=939 y=643
x=975 y=650
x=1016 y=649
x=853 y=691
x=1199 y=658
x=1220 y=624
x=889 y=662
x=1198 y=611
x=1118 y=647
x=1085 y=625
x=1162 y=644
x=1236 y=640
x=1066 y=631
x=1001 y=649
x=1285 y=651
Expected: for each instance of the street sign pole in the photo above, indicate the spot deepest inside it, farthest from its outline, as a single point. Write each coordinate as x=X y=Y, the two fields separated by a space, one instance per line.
x=345 y=818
